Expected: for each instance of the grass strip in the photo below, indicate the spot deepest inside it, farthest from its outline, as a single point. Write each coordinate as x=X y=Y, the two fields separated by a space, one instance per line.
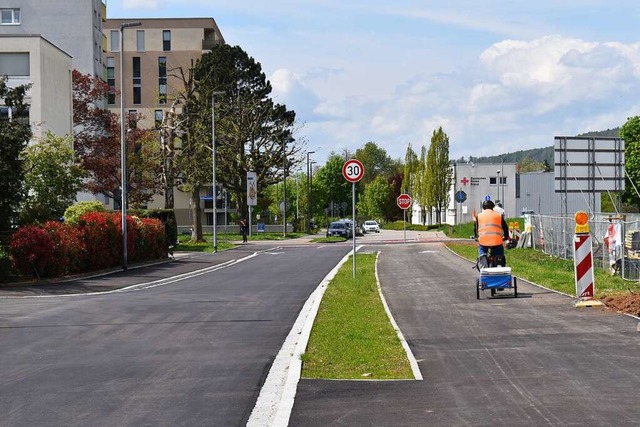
x=549 y=271
x=352 y=337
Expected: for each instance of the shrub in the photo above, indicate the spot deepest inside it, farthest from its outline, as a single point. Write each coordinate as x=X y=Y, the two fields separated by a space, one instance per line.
x=73 y=213
x=32 y=249
x=103 y=239
x=68 y=249
x=167 y=216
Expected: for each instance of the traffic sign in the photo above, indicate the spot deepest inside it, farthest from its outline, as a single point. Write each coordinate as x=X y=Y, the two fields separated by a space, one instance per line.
x=461 y=196
x=352 y=170
x=404 y=201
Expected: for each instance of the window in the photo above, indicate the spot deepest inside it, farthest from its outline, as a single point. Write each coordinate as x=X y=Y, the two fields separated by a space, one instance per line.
x=14 y=64
x=162 y=80
x=166 y=40
x=137 y=81
x=493 y=180
x=503 y=180
x=132 y=119
x=158 y=118
x=140 y=40
x=111 y=80
x=115 y=41
x=10 y=16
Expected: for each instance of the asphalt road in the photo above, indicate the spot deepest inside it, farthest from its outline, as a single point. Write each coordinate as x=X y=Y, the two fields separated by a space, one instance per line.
x=531 y=361
x=191 y=352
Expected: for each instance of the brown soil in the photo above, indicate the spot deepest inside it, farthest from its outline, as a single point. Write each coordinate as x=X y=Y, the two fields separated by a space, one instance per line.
x=625 y=303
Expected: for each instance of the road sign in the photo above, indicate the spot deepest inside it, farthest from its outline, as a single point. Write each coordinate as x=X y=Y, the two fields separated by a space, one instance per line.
x=404 y=201
x=352 y=170
x=461 y=196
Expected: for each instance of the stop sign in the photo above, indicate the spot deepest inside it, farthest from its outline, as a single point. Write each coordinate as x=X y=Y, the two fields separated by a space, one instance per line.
x=404 y=201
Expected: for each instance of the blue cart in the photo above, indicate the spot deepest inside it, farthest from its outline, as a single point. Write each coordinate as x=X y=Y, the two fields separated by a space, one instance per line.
x=496 y=279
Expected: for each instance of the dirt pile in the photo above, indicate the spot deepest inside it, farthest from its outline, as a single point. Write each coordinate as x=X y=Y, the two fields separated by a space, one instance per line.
x=625 y=303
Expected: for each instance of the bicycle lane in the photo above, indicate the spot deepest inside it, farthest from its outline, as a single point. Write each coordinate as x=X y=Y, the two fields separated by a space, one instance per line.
x=531 y=360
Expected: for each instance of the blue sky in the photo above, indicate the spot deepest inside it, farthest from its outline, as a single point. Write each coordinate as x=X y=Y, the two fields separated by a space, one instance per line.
x=498 y=76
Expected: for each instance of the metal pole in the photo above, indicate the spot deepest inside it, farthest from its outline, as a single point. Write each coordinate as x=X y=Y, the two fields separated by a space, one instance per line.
x=213 y=169
x=353 y=224
x=123 y=147
x=404 y=224
x=284 y=189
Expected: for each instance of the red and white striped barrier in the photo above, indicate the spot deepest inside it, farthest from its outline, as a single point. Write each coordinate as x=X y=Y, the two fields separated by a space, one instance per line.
x=583 y=263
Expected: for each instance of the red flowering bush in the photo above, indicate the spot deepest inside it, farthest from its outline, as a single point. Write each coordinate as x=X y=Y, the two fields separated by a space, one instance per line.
x=31 y=250
x=57 y=249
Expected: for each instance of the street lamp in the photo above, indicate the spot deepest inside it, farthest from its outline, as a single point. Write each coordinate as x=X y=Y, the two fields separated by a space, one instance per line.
x=213 y=167
x=123 y=146
x=309 y=192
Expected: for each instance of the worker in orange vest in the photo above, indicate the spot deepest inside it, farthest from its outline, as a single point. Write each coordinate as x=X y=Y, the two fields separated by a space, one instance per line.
x=490 y=229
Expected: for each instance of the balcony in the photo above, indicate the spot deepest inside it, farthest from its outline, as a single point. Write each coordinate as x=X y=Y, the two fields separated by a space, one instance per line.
x=210 y=40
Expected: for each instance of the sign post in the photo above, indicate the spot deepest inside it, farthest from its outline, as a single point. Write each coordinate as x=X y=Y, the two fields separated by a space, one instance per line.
x=353 y=170
x=404 y=202
x=252 y=194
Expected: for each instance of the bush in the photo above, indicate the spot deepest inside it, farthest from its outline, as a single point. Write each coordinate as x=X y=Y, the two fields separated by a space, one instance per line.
x=73 y=213
x=167 y=216
x=32 y=249
x=56 y=249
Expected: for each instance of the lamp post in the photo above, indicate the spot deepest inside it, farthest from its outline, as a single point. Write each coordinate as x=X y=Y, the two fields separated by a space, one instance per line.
x=213 y=168
x=123 y=146
x=309 y=192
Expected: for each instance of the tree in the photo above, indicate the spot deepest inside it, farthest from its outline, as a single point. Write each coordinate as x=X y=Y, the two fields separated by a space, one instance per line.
x=410 y=175
x=440 y=170
x=329 y=186
x=52 y=179
x=252 y=132
x=372 y=202
x=14 y=136
x=528 y=165
x=424 y=190
x=96 y=135
x=376 y=162
x=630 y=132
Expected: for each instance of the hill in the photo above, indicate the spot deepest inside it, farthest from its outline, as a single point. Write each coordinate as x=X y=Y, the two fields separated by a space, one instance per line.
x=540 y=155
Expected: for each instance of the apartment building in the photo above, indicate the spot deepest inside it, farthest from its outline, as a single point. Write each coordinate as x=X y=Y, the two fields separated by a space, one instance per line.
x=74 y=26
x=151 y=50
x=33 y=60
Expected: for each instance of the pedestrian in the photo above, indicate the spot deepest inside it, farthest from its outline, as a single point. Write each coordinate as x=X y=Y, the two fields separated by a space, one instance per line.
x=244 y=229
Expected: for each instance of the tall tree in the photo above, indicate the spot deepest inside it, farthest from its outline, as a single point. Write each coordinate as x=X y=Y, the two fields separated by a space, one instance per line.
x=410 y=176
x=253 y=133
x=96 y=135
x=52 y=179
x=630 y=132
x=376 y=162
x=438 y=166
x=424 y=189
x=15 y=133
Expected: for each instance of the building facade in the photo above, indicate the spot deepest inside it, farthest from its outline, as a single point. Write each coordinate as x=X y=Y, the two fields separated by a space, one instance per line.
x=153 y=52
x=33 y=60
x=74 y=26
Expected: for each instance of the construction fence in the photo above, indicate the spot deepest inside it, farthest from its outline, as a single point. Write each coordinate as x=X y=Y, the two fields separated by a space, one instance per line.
x=615 y=240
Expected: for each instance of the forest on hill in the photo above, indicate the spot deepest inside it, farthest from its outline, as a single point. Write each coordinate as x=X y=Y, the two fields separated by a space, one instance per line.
x=536 y=155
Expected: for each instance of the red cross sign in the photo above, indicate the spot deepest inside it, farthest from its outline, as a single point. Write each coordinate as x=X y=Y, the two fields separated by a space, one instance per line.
x=464 y=181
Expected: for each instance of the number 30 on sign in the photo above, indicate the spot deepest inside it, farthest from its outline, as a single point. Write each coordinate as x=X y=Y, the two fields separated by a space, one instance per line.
x=352 y=170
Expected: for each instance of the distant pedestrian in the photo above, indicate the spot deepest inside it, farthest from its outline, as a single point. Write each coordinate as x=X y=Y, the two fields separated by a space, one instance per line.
x=244 y=229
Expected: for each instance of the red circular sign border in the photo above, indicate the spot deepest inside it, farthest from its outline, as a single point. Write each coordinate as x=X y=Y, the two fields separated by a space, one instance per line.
x=344 y=170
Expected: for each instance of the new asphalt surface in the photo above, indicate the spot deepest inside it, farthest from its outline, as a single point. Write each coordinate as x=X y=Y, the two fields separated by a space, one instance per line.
x=531 y=361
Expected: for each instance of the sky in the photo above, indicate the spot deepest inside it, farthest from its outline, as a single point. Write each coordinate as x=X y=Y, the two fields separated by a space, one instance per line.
x=497 y=75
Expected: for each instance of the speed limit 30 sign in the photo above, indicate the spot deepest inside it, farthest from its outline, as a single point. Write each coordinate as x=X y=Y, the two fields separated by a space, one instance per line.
x=352 y=170
x=404 y=201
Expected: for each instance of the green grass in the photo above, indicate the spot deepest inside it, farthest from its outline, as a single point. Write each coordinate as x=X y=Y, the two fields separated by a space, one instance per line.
x=332 y=239
x=352 y=337
x=550 y=271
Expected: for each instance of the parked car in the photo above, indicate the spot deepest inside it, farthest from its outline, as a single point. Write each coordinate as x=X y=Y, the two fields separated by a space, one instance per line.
x=339 y=229
x=371 y=226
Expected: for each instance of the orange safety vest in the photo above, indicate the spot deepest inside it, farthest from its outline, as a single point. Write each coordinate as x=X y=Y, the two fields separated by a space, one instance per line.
x=489 y=228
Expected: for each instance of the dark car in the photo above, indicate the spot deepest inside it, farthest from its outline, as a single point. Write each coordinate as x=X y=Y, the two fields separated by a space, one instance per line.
x=339 y=229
